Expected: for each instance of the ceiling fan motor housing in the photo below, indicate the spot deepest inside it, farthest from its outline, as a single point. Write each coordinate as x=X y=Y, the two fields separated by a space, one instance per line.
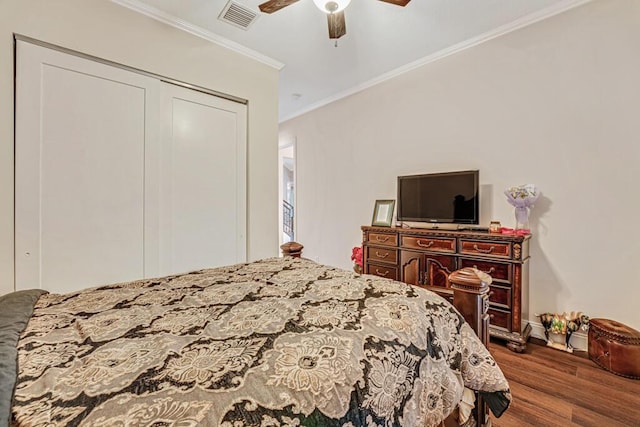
x=332 y=6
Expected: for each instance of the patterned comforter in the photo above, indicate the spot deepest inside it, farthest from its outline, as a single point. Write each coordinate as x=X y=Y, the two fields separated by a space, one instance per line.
x=278 y=342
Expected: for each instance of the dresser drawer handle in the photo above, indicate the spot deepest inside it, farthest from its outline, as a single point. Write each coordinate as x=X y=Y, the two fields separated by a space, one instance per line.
x=382 y=273
x=491 y=270
x=490 y=294
x=424 y=245
x=484 y=251
x=381 y=239
x=379 y=255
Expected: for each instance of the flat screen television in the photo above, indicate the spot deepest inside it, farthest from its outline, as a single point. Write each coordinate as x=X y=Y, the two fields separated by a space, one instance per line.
x=450 y=197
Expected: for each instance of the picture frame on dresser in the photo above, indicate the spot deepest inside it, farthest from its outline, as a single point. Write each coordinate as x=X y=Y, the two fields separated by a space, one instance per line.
x=383 y=213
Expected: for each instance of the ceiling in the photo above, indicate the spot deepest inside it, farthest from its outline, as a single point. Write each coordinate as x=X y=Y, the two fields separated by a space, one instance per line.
x=382 y=40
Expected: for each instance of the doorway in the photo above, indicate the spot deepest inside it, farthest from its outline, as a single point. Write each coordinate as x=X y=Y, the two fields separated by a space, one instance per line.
x=287 y=178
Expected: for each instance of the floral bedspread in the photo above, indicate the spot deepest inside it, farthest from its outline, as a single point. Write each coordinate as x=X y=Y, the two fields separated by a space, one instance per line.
x=277 y=342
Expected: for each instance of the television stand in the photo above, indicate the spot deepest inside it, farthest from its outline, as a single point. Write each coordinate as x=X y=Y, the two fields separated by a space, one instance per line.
x=426 y=258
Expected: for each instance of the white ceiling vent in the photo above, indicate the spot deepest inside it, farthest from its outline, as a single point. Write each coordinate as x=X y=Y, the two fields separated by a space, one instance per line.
x=238 y=15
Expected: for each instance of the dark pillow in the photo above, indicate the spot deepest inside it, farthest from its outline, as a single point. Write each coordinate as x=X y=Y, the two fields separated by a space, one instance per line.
x=15 y=310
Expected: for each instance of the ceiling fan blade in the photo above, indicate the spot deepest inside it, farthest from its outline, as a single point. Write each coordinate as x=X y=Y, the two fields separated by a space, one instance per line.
x=402 y=3
x=337 y=25
x=275 y=5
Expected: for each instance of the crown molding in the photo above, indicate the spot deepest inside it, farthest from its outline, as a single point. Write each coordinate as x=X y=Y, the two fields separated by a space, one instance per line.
x=525 y=21
x=197 y=31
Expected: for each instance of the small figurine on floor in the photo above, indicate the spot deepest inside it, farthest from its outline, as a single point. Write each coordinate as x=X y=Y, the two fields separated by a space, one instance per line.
x=558 y=328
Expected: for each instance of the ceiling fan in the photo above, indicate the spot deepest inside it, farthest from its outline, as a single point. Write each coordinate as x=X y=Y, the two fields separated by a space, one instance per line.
x=333 y=8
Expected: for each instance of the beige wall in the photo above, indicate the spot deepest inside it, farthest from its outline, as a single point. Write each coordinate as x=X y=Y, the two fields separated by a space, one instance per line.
x=556 y=104
x=106 y=30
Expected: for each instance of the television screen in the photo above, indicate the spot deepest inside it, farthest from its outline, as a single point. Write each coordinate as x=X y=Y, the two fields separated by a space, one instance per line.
x=450 y=197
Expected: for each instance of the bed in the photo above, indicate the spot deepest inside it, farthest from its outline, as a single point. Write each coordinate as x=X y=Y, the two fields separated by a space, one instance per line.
x=277 y=342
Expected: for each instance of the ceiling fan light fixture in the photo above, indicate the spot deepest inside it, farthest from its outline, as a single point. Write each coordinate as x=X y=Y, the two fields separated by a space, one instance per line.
x=332 y=6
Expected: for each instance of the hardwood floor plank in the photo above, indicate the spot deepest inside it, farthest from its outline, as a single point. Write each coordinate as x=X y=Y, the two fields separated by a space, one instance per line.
x=574 y=390
x=510 y=420
x=545 y=356
x=525 y=395
x=608 y=379
x=551 y=387
x=535 y=414
x=586 y=418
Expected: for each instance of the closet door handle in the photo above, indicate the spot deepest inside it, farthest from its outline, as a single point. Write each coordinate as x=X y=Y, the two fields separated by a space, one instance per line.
x=424 y=245
x=484 y=251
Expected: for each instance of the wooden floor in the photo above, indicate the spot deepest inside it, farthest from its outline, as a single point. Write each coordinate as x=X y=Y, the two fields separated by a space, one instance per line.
x=554 y=388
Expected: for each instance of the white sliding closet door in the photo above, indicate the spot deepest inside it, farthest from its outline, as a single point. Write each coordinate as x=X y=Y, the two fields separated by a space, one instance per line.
x=120 y=176
x=80 y=157
x=203 y=184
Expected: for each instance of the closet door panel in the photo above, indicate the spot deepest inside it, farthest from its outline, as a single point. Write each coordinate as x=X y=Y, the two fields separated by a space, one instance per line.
x=80 y=164
x=120 y=176
x=203 y=218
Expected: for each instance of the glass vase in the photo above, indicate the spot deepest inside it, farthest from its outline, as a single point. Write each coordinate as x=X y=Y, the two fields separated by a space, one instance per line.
x=522 y=218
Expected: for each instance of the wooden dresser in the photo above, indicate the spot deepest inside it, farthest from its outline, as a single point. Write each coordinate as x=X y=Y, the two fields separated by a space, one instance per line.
x=426 y=257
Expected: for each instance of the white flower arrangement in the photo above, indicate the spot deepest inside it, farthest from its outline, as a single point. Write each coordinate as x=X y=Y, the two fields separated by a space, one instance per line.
x=522 y=195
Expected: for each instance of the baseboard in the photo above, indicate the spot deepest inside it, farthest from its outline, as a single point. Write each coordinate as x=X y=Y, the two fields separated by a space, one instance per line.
x=579 y=339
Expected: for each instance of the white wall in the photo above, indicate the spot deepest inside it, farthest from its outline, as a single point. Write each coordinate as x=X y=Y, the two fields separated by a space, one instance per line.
x=556 y=104
x=106 y=30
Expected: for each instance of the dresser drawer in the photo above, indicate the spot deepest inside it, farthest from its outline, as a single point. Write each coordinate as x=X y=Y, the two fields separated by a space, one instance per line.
x=484 y=248
x=500 y=296
x=439 y=244
x=383 y=271
x=499 y=271
x=386 y=239
x=500 y=318
x=385 y=255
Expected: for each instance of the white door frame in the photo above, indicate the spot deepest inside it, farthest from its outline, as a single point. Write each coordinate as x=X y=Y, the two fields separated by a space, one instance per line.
x=294 y=145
